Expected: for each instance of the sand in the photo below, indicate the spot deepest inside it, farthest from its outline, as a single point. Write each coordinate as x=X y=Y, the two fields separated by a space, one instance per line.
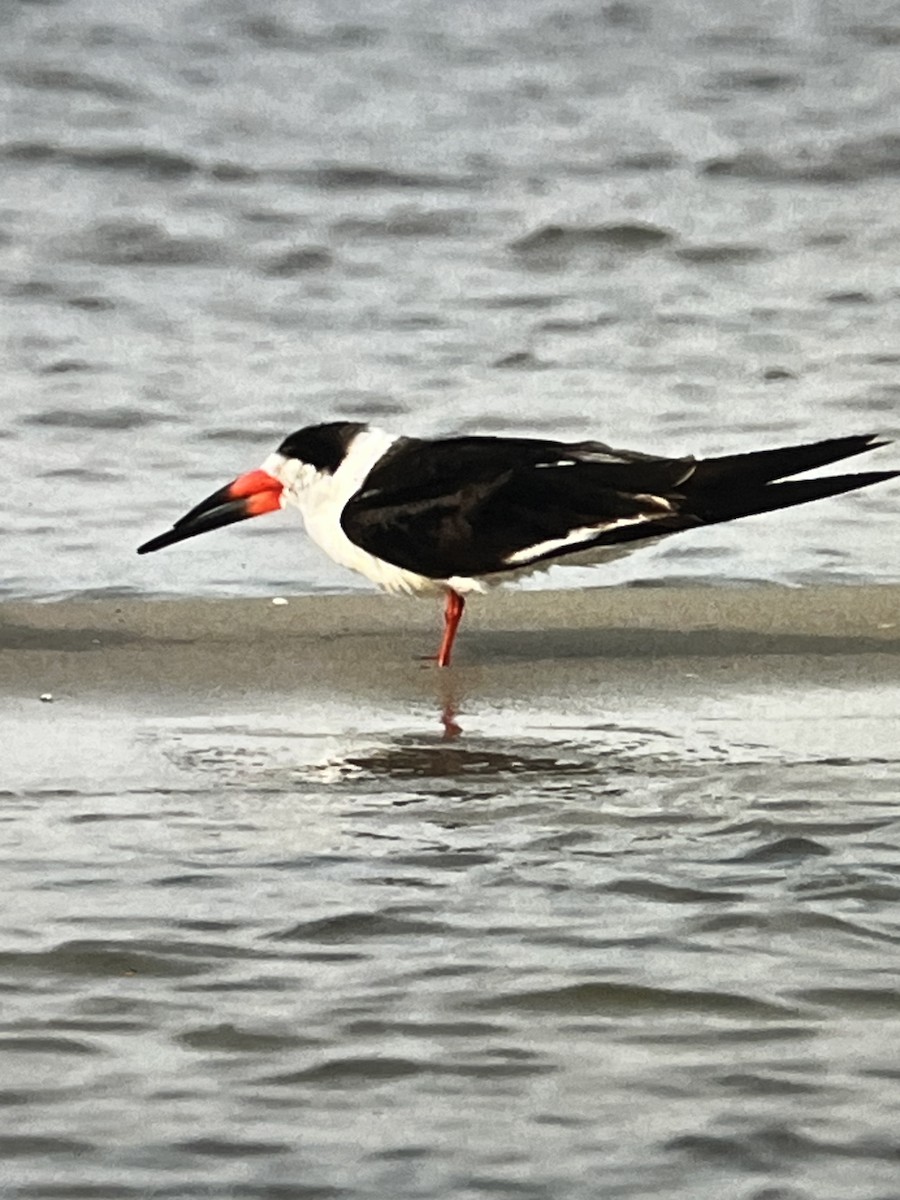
x=372 y=643
x=142 y=694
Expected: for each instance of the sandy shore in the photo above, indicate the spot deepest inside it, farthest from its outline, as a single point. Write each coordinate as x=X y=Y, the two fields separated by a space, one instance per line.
x=370 y=643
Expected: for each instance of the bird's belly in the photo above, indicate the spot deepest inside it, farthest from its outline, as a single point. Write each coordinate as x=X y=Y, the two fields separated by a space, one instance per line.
x=345 y=553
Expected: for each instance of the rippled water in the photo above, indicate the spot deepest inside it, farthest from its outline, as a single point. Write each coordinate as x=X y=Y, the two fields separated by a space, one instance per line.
x=673 y=227
x=308 y=948
x=298 y=945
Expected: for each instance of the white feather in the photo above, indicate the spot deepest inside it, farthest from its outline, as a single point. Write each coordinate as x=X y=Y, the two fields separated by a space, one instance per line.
x=575 y=539
x=321 y=498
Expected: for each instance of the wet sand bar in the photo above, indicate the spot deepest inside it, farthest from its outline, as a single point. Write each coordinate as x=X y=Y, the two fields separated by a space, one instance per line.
x=369 y=642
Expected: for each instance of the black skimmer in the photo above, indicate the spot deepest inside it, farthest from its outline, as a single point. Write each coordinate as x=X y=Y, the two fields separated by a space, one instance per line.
x=458 y=515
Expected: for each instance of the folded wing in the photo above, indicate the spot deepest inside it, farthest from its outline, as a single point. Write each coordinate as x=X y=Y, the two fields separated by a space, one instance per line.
x=483 y=506
x=477 y=506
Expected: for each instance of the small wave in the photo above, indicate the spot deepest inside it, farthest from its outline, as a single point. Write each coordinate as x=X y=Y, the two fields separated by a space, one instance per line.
x=624 y=999
x=854 y=161
x=232 y=172
x=349 y=36
x=744 y=37
x=24 y=1145
x=777 y=1146
x=241 y=436
x=351 y=1072
x=406 y=321
x=378 y=1069
x=517 y=300
x=156 y=163
x=778 y=374
x=153 y=163
x=650 y=889
x=33 y=289
x=29 y=151
x=140 y=160
x=89 y=303
x=383 y=406
x=270 y=32
x=576 y=324
x=449 y=860
x=113 y=417
x=729 y=255
x=520 y=360
x=752 y=79
x=83 y=475
x=354 y=926
x=45 y=1044
x=98 y=959
x=876 y=35
x=141 y=243
x=858 y=1000
x=850 y=297
x=407 y=224
x=297 y=262
x=232 y=1148
x=786 y=849
x=61 y=79
x=625 y=236
x=268 y=216
x=66 y=366
x=339 y=178
x=233 y=1039
x=647 y=160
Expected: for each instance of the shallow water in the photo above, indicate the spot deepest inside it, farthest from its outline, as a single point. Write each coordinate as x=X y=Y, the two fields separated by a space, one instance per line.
x=669 y=226
x=312 y=948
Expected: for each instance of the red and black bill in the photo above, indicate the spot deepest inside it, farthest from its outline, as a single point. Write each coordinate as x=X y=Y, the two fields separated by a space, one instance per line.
x=250 y=495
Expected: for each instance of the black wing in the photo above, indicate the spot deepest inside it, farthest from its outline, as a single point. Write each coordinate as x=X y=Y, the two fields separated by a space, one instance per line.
x=483 y=505
x=479 y=505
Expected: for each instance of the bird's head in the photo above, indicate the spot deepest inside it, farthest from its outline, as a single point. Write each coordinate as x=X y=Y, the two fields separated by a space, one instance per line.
x=302 y=460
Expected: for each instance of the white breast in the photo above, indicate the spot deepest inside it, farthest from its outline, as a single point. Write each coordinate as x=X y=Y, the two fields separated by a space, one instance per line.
x=321 y=498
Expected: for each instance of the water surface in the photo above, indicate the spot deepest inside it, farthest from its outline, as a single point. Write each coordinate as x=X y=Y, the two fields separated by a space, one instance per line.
x=594 y=946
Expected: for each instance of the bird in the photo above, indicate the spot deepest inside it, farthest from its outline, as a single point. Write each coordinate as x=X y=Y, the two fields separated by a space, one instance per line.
x=454 y=516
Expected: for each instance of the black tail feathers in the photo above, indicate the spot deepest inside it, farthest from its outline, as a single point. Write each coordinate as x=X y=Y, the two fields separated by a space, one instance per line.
x=729 y=503
x=763 y=466
x=742 y=485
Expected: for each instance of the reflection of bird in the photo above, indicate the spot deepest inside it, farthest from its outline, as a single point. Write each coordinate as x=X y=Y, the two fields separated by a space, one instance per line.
x=461 y=514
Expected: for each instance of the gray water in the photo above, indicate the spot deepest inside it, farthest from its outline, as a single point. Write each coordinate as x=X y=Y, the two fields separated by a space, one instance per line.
x=673 y=227
x=597 y=946
x=295 y=945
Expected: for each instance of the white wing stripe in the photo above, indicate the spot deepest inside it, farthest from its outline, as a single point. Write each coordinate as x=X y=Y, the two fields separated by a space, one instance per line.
x=574 y=538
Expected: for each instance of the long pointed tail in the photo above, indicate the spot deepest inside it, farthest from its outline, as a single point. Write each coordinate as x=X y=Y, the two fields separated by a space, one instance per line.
x=764 y=466
x=741 y=485
x=727 y=502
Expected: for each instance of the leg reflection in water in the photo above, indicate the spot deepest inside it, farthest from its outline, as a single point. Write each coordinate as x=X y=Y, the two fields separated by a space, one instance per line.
x=449 y=699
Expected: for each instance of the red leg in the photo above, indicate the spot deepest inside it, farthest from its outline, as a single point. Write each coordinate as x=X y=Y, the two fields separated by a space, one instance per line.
x=453 y=611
